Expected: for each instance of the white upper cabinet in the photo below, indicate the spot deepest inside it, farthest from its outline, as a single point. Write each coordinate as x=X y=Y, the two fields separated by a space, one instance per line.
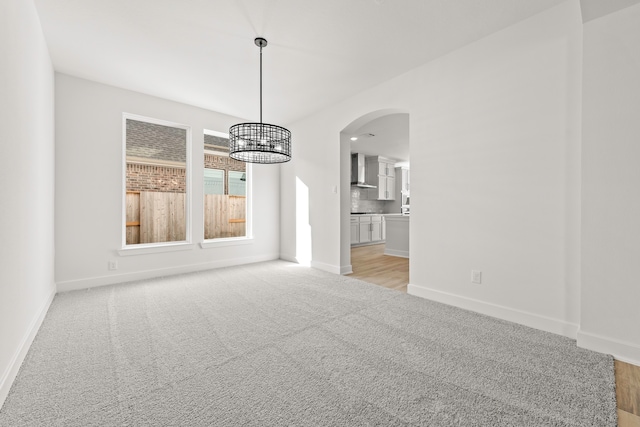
x=381 y=173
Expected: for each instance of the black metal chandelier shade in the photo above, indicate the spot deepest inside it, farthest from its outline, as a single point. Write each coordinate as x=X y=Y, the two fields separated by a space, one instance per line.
x=259 y=142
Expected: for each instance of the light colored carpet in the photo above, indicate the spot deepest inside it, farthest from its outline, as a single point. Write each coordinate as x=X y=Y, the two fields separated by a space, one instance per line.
x=278 y=344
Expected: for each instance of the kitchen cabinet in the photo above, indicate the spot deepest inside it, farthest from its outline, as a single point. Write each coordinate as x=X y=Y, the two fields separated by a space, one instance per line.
x=364 y=229
x=385 y=167
x=402 y=187
x=382 y=174
x=401 y=202
x=403 y=175
x=397 y=243
x=386 y=189
x=355 y=232
x=367 y=229
x=376 y=228
x=384 y=228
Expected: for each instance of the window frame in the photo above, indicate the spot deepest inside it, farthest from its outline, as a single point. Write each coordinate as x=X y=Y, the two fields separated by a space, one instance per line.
x=144 y=248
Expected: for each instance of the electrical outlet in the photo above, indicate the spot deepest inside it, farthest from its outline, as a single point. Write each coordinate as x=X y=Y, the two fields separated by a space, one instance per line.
x=476 y=276
x=113 y=265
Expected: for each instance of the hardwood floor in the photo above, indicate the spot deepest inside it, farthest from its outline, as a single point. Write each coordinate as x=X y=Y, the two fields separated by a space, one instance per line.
x=628 y=394
x=369 y=263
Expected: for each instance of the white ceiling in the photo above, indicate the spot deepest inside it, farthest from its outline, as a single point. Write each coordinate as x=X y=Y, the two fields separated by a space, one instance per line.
x=390 y=138
x=201 y=52
x=592 y=9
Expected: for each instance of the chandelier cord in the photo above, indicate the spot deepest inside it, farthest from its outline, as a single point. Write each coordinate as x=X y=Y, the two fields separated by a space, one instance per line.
x=260 y=83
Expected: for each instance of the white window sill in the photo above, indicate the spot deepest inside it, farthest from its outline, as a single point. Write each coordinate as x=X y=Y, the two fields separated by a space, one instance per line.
x=218 y=243
x=155 y=248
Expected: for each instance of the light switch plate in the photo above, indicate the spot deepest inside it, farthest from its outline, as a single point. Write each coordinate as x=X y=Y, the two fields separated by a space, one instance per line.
x=476 y=277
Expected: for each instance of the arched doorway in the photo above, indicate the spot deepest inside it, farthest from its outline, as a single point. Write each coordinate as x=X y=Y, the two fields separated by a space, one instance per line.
x=380 y=133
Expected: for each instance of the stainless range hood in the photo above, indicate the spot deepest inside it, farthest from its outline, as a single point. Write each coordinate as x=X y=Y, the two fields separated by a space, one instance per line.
x=358 y=171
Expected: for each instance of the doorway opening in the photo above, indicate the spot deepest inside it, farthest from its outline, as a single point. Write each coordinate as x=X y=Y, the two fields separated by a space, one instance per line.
x=375 y=167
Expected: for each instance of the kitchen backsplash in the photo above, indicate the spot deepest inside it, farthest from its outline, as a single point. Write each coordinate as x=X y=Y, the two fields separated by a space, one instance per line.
x=361 y=203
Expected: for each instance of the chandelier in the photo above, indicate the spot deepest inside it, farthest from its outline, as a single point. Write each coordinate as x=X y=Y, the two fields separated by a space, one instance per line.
x=259 y=142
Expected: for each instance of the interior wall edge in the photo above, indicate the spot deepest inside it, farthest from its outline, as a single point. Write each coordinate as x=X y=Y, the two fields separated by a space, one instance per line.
x=532 y=320
x=610 y=201
x=11 y=371
x=92 y=282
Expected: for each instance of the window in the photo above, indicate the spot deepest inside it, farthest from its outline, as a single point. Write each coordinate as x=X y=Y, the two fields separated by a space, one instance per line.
x=213 y=181
x=156 y=181
x=225 y=200
x=237 y=183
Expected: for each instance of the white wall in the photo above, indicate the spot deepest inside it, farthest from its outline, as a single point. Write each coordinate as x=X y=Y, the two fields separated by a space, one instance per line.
x=89 y=189
x=610 y=307
x=495 y=156
x=495 y=171
x=26 y=214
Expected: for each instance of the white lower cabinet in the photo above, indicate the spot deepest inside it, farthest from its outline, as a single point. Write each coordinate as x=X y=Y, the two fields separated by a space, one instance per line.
x=376 y=228
x=384 y=228
x=367 y=229
x=355 y=230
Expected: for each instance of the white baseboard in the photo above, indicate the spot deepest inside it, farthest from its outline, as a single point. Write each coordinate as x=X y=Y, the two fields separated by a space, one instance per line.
x=532 y=320
x=315 y=264
x=92 y=282
x=290 y=258
x=346 y=269
x=326 y=267
x=396 y=252
x=375 y=242
x=10 y=373
x=621 y=350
